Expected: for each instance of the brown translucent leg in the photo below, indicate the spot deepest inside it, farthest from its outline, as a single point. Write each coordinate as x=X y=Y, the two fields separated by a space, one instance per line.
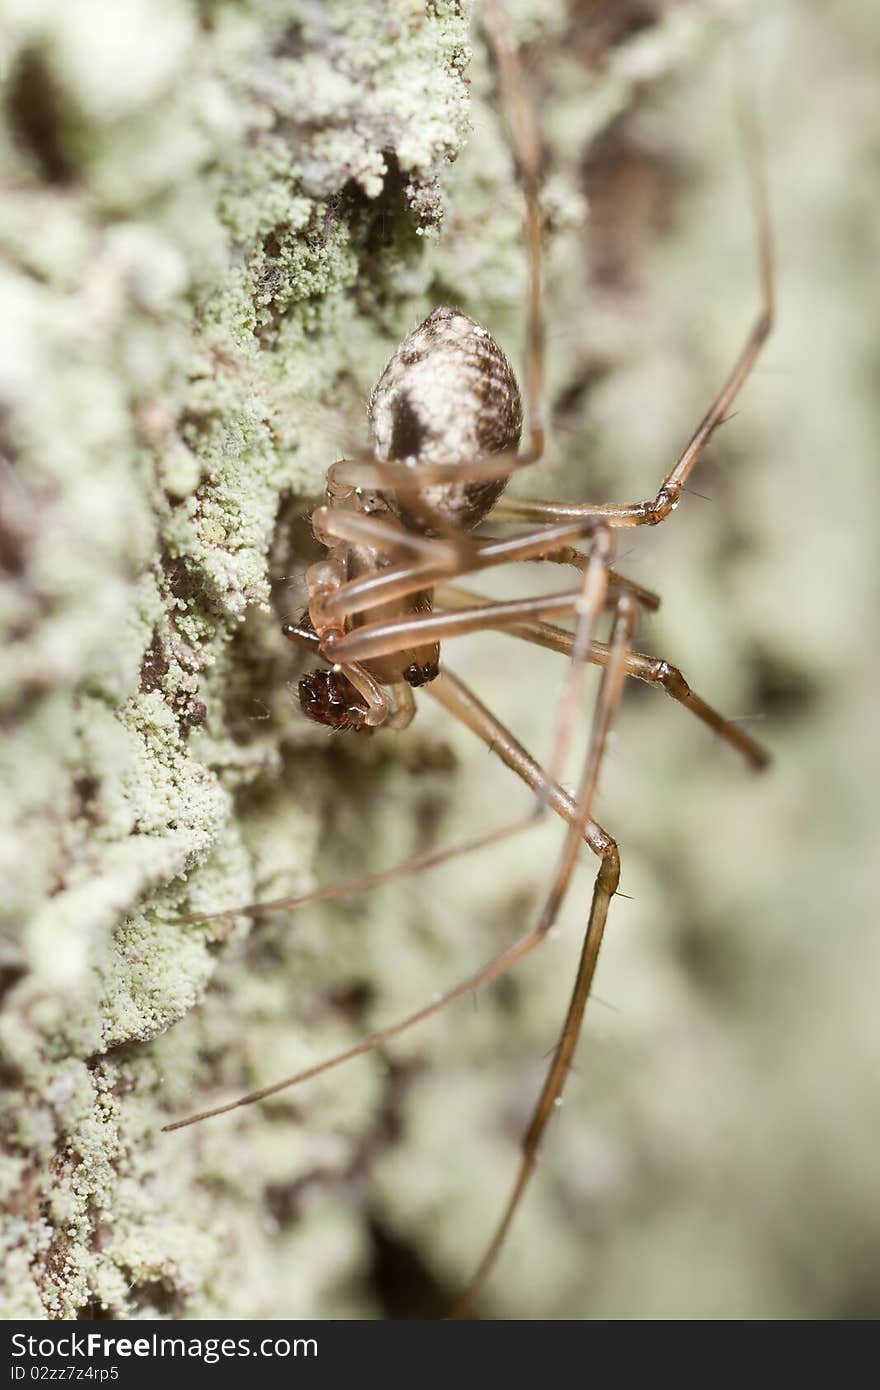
x=527 y=153
x=374 y=478
x=586 y=604
x=365 y=473
x=653 y=670
x=380 y=639
x=369 y=591
x=604 y=889
x=633 y=513
x=460 y=701
x=323 y=579
x=334 y=524
x=647 y=599
x=586 y=607
x=403 y=713
x=669 y=494
x=379 y=709
x=588 y=610
x=385 y=475
x=455 y=696
x=560 y=801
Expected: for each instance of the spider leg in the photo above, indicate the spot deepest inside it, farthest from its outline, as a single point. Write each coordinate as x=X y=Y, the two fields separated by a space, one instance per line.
x=368 y=591
x=455 y=696
x=439 y=559
x=557 y=798
x=390 y=475
x=653 y=670
x=459 y=701
x=462 y=703
x=364 y=476
x=390 y=635
x=333 y=525
x=385 y=637
x=604 y=889
x=528 y=156
x=618 y=583
x=366 y=685
x=382 y=638
x=523 y=509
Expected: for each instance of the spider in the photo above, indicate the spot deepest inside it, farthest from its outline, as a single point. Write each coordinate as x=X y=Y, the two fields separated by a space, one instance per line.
x=399 y=524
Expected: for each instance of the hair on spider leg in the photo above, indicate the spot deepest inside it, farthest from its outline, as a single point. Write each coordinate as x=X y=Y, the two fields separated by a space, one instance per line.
x=403 y=520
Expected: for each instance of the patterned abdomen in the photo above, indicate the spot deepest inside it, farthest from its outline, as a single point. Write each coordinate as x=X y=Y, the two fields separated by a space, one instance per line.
x=448 y=396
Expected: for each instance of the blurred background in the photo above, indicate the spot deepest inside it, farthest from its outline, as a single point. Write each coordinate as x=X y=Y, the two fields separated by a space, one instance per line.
x=205 y=268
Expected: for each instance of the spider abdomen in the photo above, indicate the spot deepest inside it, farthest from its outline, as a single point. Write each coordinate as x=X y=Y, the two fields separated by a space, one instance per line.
x=447 y=397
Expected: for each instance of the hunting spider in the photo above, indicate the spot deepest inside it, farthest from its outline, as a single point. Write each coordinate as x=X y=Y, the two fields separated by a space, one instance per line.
x=399 y=524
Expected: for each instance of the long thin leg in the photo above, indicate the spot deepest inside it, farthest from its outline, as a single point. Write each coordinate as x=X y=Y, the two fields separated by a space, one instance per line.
x=330 y=606
x=436 y=559
x=654 y=670
x=456 y=698
x=462 y=703
x=459 y=701
x=618 y=583
x=604 y=889
x=454 y=695
x=378 y=707
x=559 y=800
x=651 y=512
x=369 y=591
x=375 y=477
x=367 y=471
x=386 y=475
x=334 y=524
x=669 y=493
x=588 y=610
x=527 y=153
x=379 y=639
